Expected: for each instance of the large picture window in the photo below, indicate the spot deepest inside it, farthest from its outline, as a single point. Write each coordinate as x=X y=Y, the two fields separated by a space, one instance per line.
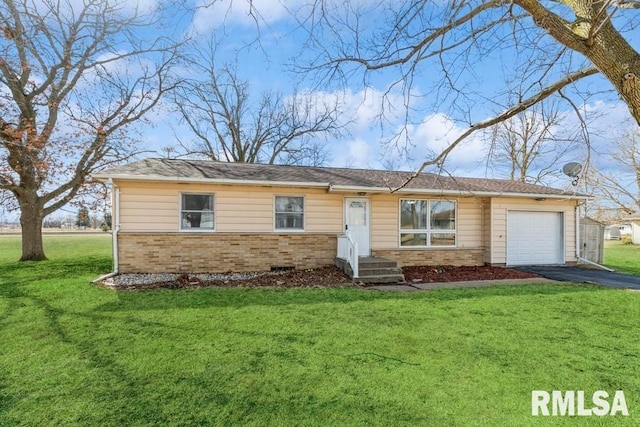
x=427 y=223
x=289 y=213
x=196 y=212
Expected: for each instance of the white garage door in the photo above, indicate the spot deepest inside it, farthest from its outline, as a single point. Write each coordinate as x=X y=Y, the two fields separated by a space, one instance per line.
x=534 y=238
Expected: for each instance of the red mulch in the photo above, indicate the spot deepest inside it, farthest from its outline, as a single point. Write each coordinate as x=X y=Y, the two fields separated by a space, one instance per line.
x=331 y=277
x=449 y=273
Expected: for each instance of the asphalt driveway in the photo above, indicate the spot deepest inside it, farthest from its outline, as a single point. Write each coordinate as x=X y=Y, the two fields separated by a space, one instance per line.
x=584 y=275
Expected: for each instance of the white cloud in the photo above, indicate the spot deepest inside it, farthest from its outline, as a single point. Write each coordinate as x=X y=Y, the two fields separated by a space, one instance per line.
x=128 y=7
x=358 y=154
x=362 y=112
x=213 y=14
x=436 y=133
x=369 y=105
x=607 y=122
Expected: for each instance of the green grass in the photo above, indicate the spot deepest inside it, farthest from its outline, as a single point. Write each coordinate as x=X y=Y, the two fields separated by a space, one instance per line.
x=75 y=354
x=624 y=258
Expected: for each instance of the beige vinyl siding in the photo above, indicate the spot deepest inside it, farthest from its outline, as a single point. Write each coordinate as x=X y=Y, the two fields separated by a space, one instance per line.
x=501 y=206
x=384 y=219
x=469 y=226
x=486 y=229
x=245 y=209
x=323 y=212
x=385 y=211
x=150 y=207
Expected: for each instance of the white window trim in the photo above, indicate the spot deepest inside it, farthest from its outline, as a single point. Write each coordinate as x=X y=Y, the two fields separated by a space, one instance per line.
x=427 y=230
x=196 y=230
x=304 y=215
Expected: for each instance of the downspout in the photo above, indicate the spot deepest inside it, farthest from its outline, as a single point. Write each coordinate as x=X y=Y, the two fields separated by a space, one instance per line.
x=115 y=210
x=577 y=212
x=578 y=257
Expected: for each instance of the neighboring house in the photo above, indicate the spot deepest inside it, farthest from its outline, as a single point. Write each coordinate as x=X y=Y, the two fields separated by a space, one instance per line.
x=625 y=229
x=611 y=232
x=204 y=216
x=635 y=230
x=618 y=231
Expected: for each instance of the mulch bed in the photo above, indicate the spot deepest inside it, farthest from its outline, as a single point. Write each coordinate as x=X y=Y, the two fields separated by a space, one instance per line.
x=449 y=273
x=332 y=277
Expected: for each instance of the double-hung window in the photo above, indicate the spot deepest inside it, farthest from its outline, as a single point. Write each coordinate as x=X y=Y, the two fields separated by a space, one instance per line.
x=427 y=223
x=289 y=213
x=196 y=212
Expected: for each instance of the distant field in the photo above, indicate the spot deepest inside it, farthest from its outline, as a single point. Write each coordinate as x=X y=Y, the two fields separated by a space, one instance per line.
x=16 y=231
x=61 y=247
x=624 y=258
x=73 y=354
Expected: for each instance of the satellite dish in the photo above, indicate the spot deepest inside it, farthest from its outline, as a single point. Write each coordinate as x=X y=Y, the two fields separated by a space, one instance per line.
x=572 y=169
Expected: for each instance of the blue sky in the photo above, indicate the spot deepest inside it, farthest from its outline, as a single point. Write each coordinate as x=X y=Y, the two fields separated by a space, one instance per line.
x=264 y=51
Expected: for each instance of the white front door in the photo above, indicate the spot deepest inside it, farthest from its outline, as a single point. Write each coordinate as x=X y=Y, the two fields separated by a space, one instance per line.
x=357 y=222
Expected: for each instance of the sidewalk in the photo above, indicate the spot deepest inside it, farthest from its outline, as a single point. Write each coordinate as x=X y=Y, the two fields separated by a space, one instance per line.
x=412 y=287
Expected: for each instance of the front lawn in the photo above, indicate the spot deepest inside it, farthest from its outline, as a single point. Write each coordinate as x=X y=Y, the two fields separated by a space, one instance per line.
x=75 y=354
x=624 y=258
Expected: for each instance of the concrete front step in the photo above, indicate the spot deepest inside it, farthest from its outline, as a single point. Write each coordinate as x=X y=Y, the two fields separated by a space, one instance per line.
x=344 y=266
x=374 y=270
x=378 y=271
x=383 y=278
x=371 y=262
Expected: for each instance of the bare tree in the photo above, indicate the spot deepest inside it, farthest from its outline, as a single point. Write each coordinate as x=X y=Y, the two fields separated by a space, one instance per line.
x=529 y=146
x=228 y=125
x=441 y=52
x=74 y=76
x=622 y=187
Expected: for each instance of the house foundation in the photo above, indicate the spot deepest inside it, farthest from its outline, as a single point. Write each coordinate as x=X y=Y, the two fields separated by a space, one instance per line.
x=419 y=257
x=222 y=252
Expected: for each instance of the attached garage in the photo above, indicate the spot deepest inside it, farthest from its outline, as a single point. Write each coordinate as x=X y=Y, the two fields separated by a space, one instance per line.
x=535 y=238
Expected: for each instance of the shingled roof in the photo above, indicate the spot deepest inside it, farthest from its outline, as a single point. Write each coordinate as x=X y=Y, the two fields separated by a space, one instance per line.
x=334 y=179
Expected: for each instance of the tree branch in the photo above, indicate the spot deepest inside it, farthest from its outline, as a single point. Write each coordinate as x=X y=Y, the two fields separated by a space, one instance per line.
x=522 y=106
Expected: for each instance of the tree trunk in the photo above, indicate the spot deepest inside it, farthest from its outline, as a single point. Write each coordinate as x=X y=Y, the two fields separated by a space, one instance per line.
x=609 y=51
x=31 y=217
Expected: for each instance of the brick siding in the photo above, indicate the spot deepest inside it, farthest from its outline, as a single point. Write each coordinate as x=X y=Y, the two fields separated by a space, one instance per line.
x=222 y=252
x=238 y=252
x=417 y=257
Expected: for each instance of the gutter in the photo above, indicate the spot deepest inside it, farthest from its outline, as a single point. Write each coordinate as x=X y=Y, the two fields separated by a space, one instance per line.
x=224 y=181
x=436 y=192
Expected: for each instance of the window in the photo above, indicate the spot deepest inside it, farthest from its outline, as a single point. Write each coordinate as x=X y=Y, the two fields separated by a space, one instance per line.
x=427 y=223
x=357 y=213
x=196 y=212
x=289 y=213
